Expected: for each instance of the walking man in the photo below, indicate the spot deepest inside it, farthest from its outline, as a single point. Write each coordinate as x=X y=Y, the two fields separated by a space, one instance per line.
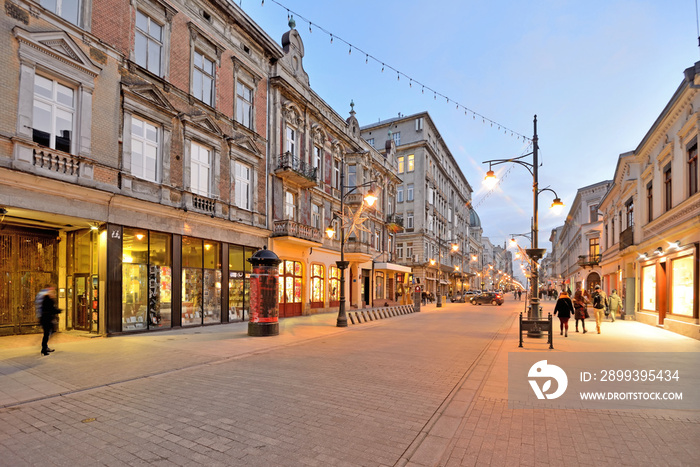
x=48 y=314
x=600 y=303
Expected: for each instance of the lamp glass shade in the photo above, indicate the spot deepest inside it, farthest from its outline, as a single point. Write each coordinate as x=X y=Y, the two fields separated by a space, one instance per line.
x=557 y=206
x=330 y=231
x=490 y=180
x=370 y=198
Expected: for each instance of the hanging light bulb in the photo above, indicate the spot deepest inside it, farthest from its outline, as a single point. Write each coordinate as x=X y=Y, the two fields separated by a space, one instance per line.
x=398 y=76
x=350 y=50
x=263 y=3
x=366 y=58
x=422 y=90
x=331 y=38
x=382 y=68
x=310 y=27
x=410 y=83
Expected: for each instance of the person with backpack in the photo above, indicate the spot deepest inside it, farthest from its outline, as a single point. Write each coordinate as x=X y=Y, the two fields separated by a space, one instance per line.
x=47 y=298
x=600 y=304
x=615 y=305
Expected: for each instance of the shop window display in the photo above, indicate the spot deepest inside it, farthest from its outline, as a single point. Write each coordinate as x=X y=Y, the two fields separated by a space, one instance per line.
x=682 y=286
x=239 y=280
x=146 y=280
x=334 y=285
x=649 y=287
x=317 y=285
x=201 y=282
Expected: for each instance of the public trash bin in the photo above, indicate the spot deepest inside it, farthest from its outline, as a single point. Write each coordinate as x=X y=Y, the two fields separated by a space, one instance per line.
x=264 y=306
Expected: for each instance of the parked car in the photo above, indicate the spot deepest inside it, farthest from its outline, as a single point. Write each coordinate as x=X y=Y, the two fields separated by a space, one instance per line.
x=457 y=298
x=487 y=297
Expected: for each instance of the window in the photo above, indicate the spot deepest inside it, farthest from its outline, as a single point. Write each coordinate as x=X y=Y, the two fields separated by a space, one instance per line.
x=399 y=194
x=379 y=285
x=244 y=105
x=290 y=206
x=409 y=192
x=334 y=285
x=336 y=174
x=317 y=161
x=410 y=166
x=54 y=109
x=419 y=124
x=371 y=142
x=629 y=208
x=409 y=220
x=291 y=141
x=203 y=79
x=649 y=287
x=693 y=167
x=682 y=288
x=399 y=250
x=66 y=9
x=144 y=149
x=409 y=250
x=650 y=202
x=377 y=241
x=401 y=164
x=397 y=138
x=315 y=215
x=667 y=188
x=352 y=176
x=593 y=248
x=148 y=43
x=242 y=182
x=200 y=166
x=201 y=281
x=593 y=213
x=317 y=284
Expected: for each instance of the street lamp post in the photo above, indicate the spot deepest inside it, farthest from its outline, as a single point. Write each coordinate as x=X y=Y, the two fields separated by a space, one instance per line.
x=369 y=198
x=534 y=253
x=455 y=247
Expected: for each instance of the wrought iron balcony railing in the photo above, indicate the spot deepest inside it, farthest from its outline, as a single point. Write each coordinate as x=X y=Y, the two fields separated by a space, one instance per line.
x=626 y=238
x=589 y=260
x=294 y=229
x=290 y=162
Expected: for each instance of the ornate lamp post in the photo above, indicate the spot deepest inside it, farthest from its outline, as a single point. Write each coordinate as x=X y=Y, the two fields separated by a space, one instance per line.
x=455 y=247
x=369 y=198
x=534 y=252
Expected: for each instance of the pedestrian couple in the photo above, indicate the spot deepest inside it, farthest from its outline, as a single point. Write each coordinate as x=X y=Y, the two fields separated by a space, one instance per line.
x=602 y=306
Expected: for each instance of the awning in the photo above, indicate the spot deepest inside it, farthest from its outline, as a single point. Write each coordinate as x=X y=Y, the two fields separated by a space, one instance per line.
x=392 y=267
x=443 y=282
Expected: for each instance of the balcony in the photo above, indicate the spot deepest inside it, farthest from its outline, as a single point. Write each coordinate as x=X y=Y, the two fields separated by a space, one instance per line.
x=293 y=169
x=394 y=223
x=589 y=260
x=626 y=238
x=288 y=228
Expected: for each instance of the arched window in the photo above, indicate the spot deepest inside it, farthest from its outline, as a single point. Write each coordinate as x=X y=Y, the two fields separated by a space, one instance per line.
x=317 y=286
x=334 y=285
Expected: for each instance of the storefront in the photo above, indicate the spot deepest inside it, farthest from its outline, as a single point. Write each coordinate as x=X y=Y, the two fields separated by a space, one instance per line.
x=668 y=288
x=168 y=280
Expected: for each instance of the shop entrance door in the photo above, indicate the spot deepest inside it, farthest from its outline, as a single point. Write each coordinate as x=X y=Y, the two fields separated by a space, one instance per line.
x=27 y=263
x=81 y=316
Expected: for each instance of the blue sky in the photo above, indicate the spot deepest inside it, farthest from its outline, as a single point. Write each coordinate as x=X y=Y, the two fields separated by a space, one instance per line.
x=597 y=73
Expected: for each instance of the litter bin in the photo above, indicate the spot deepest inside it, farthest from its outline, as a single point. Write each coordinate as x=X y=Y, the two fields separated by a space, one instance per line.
x=264 y=306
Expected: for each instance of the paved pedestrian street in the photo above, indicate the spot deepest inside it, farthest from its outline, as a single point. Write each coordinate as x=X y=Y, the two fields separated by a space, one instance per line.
x=424 y=389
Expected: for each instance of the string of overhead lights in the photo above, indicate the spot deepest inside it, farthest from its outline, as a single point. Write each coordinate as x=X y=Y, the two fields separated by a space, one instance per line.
x=399 y=74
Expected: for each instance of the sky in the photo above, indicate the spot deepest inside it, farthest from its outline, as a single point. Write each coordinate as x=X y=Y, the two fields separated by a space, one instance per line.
x=597 y=74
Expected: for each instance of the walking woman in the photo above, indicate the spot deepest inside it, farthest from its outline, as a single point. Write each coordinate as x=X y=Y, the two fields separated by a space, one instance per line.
x=580 y=311
x=564 y=309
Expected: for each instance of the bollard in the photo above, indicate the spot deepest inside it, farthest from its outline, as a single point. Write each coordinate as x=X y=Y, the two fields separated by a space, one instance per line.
x=417 y=299
x=264 y=307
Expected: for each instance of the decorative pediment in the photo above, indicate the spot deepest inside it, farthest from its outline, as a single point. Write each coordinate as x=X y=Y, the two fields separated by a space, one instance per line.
x=291 y=114
x=319 y=134
x=151 y=94
x=56 y=45
x=204 y=122
x=245 y=143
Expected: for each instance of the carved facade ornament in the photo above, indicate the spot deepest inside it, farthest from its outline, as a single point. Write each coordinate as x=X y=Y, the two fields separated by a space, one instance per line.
x=291 y=114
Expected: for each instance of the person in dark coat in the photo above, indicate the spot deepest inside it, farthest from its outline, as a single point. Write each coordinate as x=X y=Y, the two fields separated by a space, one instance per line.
x=564 y=309
x=48 y=314
x=580 y=309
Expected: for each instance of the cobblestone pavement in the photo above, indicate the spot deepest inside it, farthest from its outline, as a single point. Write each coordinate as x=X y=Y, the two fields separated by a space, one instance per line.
x=421 y=390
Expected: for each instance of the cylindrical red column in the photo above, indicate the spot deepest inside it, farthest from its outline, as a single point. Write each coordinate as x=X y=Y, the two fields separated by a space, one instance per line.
x=264 y=306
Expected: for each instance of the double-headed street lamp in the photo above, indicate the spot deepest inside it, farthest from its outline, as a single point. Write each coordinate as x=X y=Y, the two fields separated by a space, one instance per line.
x=369 y=198
x=534 y=252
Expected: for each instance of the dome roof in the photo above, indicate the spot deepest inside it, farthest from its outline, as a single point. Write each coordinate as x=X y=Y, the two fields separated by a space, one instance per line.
x=474 y=220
